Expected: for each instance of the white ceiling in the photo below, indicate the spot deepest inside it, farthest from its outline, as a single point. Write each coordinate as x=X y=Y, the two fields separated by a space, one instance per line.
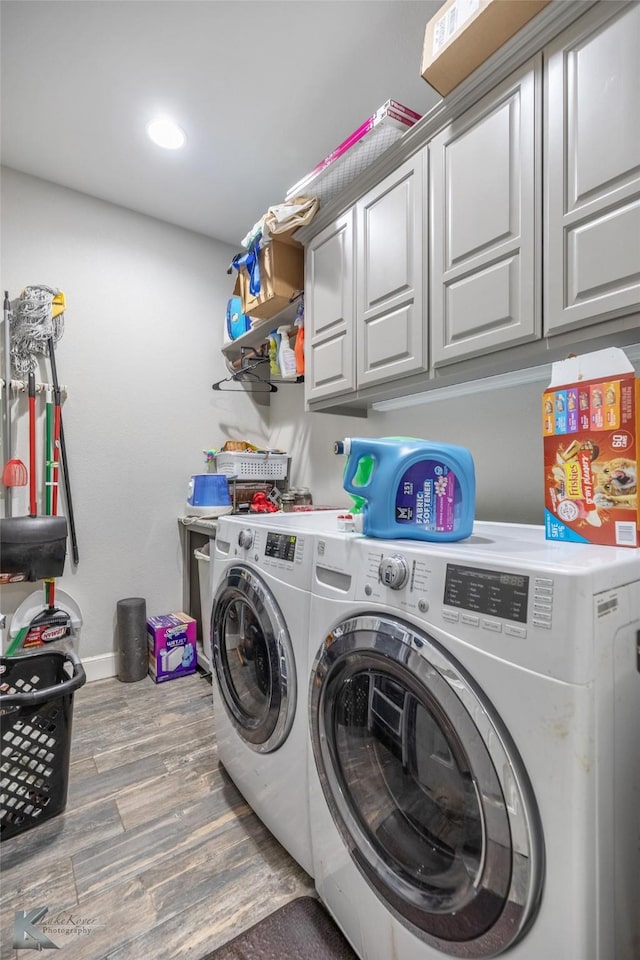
x=263 y=88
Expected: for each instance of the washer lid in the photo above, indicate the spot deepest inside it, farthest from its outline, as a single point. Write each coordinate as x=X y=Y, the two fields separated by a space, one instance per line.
x=253 y=659
x=426 y=787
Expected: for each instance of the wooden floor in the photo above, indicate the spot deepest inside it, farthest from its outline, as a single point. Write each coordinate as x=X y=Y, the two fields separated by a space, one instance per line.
x=157 y=855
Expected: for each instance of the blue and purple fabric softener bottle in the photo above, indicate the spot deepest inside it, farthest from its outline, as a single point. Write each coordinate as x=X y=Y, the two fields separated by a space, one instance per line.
x=414 y=489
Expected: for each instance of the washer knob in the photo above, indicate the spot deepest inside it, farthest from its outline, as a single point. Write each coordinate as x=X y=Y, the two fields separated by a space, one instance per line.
x=393 y=572
x=245 y=539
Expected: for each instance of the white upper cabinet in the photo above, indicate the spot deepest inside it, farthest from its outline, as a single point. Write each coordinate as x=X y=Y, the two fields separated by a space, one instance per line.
x=330 y=311
x=485 y=196
x=505 y=235
x=592 y=170
x=364 y=305
x=390 y=325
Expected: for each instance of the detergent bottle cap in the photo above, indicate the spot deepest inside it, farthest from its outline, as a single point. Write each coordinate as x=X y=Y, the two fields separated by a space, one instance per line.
x=349 y=522
x=342 y=446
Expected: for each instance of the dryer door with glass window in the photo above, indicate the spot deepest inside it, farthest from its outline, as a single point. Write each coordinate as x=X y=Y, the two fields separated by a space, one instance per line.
x=426 y=787
x=253 y=659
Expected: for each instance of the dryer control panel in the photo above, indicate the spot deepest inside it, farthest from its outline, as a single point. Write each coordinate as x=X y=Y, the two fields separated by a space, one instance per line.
x=506 y=590
x=512 y=610
x=393 y=572
x=483 y=592
x=490 y=592
x=496 y=600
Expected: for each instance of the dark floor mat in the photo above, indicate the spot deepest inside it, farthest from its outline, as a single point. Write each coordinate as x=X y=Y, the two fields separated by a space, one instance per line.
x=302 y=928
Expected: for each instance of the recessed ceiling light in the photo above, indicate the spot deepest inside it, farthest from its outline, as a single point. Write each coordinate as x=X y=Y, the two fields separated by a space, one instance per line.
x=165 y=133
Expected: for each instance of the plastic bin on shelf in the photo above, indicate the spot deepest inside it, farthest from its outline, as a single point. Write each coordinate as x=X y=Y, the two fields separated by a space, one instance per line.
x=253 y=466
x=36 y=710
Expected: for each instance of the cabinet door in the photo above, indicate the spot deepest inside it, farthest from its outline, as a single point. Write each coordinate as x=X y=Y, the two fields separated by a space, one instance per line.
x=329 y=311
x=389 y=242
x=485 y=227
x=592 y=169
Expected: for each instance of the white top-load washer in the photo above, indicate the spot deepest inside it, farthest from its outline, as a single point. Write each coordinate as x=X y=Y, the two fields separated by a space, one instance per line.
x=475 y=776
x=259 y=652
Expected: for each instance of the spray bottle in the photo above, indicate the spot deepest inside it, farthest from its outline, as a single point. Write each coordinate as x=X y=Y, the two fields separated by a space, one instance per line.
x=286 y=356
x=412 y=489
x=299 y=345
x=274 y=369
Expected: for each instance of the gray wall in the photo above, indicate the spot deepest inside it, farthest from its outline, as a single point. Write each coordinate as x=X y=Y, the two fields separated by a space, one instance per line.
x=141 y=347
x=501 y=428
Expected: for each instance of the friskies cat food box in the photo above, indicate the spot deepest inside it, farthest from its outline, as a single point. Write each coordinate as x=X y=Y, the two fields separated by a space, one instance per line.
x=591 y=431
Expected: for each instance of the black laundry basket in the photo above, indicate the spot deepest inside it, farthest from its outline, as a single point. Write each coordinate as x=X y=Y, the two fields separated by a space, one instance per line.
x=36 y=710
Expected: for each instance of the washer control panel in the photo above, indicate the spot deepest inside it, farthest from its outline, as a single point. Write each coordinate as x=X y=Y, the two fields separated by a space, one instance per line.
x=281 y=546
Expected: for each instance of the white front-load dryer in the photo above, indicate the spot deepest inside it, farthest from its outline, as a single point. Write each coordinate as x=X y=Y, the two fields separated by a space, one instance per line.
x=474 y=777
x=259 y=652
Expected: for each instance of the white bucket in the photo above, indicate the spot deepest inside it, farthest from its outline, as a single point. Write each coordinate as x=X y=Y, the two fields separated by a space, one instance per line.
x=31 y=607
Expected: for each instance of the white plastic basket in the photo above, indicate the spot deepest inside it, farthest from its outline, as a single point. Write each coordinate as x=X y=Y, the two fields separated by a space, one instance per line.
x=253 y=466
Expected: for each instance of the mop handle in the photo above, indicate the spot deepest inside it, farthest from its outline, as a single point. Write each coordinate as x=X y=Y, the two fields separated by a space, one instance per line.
x=33 y=504
x=48 y=451
x=56 y=453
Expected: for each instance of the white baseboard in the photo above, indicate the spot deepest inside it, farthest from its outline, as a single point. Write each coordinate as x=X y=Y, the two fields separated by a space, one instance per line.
x=99 y=668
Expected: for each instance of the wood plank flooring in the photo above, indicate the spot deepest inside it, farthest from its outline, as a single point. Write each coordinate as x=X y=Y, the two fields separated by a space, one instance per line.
x=157 y=856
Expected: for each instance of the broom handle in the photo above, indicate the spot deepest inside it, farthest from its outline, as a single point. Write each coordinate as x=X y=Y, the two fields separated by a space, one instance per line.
x=55 y=457
x=64 y=463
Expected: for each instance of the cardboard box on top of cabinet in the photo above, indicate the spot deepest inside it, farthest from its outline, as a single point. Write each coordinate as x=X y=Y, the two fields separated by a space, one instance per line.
x=172 y=646
x=281 y=265
x=464 y=33
x=591 y=431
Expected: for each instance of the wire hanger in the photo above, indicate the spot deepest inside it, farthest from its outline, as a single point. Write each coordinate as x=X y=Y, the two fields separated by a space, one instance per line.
x=244 y=375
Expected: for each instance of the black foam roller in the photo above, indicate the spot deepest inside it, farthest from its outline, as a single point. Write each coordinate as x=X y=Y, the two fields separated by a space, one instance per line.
x=133 y=659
